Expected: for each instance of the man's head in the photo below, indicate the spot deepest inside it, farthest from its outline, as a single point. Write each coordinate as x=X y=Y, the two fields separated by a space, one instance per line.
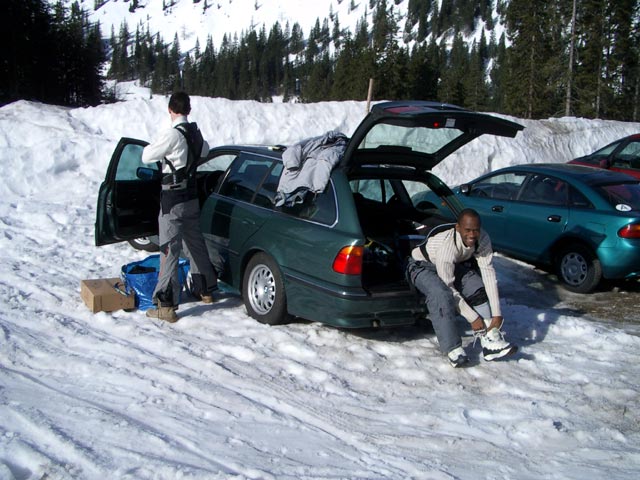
x=468 y=226
x=180 y=103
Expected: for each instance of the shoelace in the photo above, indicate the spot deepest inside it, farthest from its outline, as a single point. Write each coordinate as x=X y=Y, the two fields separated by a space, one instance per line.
x=478 y=334
x=483 y=333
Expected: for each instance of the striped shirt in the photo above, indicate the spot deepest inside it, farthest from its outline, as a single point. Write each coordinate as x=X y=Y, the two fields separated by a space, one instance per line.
x=446 y=249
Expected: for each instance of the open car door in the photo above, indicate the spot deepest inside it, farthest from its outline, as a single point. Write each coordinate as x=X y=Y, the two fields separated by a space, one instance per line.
x=129 y=197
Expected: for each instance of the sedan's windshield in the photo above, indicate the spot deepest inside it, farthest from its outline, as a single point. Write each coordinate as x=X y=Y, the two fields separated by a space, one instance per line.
x=624 y=197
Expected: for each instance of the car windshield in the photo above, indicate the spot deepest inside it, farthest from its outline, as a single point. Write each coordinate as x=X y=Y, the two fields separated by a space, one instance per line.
x=624 y=197
x=419 y=139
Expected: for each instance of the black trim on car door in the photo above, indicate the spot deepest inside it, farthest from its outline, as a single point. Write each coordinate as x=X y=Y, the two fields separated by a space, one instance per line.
x=129 y=197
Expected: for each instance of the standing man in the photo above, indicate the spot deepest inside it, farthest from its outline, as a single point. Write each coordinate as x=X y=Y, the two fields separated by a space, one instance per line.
x=178 y=149
x=454 y=272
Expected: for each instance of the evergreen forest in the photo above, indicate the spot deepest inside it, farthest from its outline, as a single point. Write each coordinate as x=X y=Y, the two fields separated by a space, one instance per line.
x=53 y=55
x=531 y=59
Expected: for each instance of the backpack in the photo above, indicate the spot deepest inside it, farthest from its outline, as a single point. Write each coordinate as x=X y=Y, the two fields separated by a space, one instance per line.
x=193 y=136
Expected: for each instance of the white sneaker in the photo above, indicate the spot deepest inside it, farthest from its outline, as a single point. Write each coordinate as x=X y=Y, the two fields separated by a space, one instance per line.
x=457 y=357
x=494 y=345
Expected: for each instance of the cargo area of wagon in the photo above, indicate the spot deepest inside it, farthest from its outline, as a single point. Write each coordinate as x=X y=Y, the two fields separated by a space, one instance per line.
x=397 y=208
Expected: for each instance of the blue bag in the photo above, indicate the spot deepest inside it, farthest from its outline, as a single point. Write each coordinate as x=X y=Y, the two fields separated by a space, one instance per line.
x=142 y=277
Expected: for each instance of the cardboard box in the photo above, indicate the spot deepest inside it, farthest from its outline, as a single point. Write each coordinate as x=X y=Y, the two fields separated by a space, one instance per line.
x=101 y=295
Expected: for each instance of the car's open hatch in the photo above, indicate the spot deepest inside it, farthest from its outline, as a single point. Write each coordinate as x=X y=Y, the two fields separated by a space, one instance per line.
x=418 y=133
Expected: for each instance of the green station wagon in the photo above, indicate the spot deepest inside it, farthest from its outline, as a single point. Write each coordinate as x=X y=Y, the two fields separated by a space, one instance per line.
x=336 y=259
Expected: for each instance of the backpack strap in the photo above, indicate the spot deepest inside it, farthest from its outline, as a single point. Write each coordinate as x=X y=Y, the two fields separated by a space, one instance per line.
x=435 y=230
x=183 y=177
x=193 y=136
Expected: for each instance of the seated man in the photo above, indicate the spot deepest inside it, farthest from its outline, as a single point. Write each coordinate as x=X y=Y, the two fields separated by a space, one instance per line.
x=453 y=270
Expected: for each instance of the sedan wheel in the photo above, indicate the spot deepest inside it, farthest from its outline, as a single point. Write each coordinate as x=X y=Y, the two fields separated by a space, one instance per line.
x=144 y=243
x=579 y=269
x=263 y=290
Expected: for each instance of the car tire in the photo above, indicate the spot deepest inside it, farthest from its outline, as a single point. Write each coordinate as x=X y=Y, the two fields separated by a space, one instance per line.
x=143 y=243
x=578 y=268
x=263 y=290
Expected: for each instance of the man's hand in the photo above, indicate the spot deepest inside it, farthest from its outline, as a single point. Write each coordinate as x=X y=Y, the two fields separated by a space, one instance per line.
x=496 y=322
x=478 y=324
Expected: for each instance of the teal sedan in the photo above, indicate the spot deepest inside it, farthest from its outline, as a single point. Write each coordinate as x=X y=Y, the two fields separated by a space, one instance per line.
x=581 y=222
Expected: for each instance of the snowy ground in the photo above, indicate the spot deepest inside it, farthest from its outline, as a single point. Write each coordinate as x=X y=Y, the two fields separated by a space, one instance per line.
x=220 y=396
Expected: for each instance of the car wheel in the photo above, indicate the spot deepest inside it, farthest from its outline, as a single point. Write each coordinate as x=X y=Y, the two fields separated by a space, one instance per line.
x=143 y=243
x=263 y=290
x=579 y=269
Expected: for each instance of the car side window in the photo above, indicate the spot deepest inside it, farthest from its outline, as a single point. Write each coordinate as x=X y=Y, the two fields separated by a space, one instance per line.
x=545 y=190
x=379 y=190
x=578 y=200
x=266 y=193
x=320 y=208
x=605 y=151
x=218 y=163
x=629 y=156
x=130 y=161
x=501 y=187
x=245 y=180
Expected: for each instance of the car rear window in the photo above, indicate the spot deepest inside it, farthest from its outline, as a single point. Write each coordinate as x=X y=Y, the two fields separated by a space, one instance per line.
x=418 y=139
x=624 y=197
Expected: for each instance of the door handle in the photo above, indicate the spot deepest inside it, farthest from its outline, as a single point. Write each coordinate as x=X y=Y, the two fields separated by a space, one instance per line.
x=497 y=208
x=554 y=218
x=246 y=221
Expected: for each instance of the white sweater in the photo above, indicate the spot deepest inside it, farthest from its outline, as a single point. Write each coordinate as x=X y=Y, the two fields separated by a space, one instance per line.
x=446 y=249
x=171 y=145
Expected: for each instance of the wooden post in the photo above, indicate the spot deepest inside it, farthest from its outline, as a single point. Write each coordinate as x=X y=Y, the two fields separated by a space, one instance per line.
x=369 y=94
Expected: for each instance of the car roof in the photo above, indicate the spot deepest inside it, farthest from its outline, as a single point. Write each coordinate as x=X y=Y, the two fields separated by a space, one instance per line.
x=274 y=151
x=582 y=173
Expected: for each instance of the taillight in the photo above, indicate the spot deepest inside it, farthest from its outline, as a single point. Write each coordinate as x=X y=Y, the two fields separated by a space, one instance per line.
x=630 y=231
x=349 y=260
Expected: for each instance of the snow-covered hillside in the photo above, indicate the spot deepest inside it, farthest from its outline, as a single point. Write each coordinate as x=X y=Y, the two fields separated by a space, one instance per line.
x=191 y=21
x=220 y=396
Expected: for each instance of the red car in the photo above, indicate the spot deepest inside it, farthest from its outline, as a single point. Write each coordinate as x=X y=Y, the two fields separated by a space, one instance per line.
x=622 y=156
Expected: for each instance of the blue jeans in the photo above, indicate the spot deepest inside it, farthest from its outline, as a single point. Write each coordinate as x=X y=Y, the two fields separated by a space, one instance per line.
x=439 y=298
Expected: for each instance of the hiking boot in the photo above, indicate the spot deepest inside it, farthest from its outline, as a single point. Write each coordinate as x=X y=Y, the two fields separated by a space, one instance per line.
x=206 y=298
x=457 y=357
x=494 y=345
x=168 y=314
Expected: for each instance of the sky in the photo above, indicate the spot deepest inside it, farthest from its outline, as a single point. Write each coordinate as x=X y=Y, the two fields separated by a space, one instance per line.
x=218 y=395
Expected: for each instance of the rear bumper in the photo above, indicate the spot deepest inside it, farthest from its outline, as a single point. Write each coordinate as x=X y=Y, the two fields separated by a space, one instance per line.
x=621 y=261
x=352 y=307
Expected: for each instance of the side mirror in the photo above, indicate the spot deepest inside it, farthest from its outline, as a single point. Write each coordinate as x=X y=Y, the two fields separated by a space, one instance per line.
x=465 y=188
x=604 y=163
x=148 y=174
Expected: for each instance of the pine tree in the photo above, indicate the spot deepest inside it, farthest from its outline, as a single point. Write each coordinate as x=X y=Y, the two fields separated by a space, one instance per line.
x=452 y=87
x=532 y=87
x=498 y=75
x=318 y=85
x=591 y=67
x=59 y=42
x=623 y=58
